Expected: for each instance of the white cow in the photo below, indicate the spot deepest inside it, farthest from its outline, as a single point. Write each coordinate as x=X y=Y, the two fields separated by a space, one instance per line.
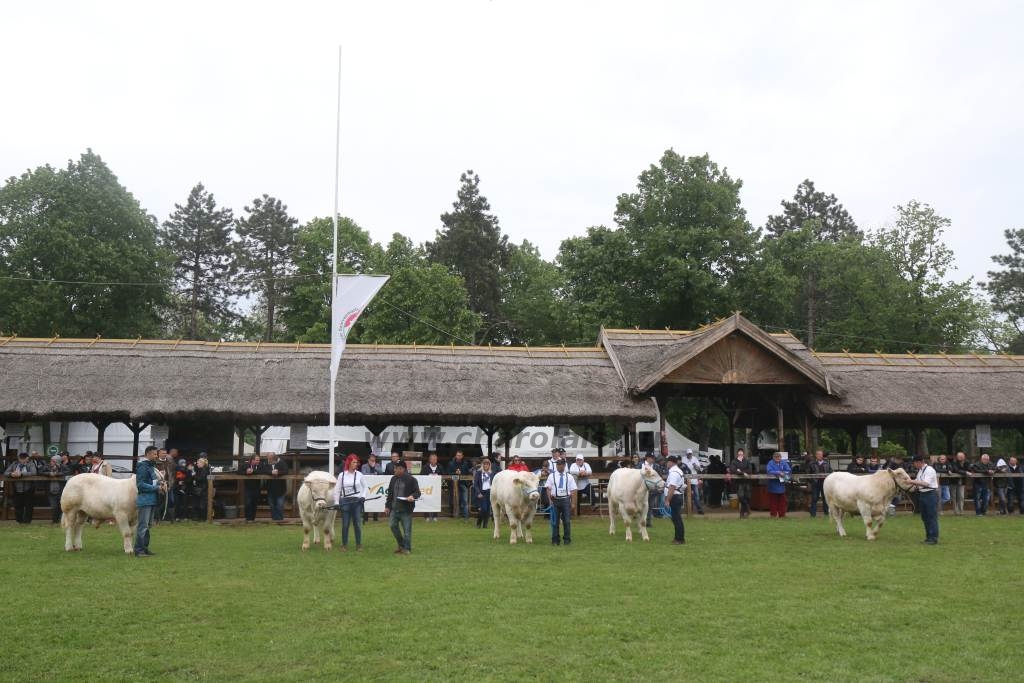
x=314 y=500
x=628 y=491
x=515 y=494
x=100 y=497
x=867 y=494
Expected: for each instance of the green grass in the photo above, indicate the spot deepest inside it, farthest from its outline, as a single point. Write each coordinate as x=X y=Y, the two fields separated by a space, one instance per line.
x=754 y=600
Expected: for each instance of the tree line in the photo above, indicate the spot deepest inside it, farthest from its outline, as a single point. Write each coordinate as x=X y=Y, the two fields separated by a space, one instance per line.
x=80 y=257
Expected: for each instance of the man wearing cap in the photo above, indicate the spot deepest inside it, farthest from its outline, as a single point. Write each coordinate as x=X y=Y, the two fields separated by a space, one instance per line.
x=562 y=493
x=23 y=490
x=691 y=465
x=403 y=492
x=676 y=498
x=580 y=470
x=927 y=483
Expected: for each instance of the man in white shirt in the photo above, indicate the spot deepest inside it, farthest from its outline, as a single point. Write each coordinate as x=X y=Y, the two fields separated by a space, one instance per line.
x=676 y=497
x=580 y=470
x=562 y=493
x=927 y=483
x=692 y=465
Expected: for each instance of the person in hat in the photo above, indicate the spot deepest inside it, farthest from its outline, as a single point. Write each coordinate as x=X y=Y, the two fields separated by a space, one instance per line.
x=690 y=465
x=676 y=498
x=562 y=494
x=780 y=472
x=403 y=492
x=927 y=484
x=580 y=470
x=23 y=490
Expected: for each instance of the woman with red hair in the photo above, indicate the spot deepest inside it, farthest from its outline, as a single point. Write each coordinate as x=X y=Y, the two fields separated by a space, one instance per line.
x=349 y=493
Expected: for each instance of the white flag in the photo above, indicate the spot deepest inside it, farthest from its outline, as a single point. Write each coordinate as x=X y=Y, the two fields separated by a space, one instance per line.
x=352 y=293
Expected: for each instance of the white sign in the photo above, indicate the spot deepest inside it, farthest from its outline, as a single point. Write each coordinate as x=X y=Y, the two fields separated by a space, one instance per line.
x=874 y=442
x=784 y=454
x=984 y=435
x=159 y=434
x=297 y=437
x=430 y=490
x=875 y=432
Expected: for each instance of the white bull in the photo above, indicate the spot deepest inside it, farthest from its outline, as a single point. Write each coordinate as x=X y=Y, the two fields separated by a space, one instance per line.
x=314 y=500
x=515 y=494
x=867 y=494
x=628 y=492
x=100 y=497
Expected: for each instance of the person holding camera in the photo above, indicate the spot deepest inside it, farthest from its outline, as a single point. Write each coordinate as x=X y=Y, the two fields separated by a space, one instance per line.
x=23 y=490
x=58 y=474
x=276 y=486
x=148 y=483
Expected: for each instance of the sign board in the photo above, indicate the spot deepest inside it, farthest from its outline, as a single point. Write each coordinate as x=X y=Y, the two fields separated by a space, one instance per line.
x=297 y=437
x=784 y=454
x=874 y=442
x=52 y=450
x=983 y=434
x=159 y=434
x=875 y=432
x=430 y=490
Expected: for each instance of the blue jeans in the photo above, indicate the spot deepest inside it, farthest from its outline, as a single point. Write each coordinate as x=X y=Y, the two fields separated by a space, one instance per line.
x=401 y=528
x=561 y=509
x=944 y=493
x=695 y=490
x=352 y=515
x=142 y=530
x=276 y=506
x=484 y=507
x=982 y=497
x=928 y=501
x=818 y=491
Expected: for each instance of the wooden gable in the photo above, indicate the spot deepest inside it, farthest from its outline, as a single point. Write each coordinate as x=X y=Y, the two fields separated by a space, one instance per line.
x=735 y=359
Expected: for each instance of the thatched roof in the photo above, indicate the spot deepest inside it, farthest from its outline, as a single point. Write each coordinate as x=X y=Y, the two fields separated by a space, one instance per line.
x=645 y=357
x=921 y=388
x=280 y=383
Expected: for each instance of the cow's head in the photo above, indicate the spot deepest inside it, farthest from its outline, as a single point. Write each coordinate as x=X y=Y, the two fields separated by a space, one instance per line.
x=652 y=480
x=321 y=488
x=900 y=478
x=529 y=483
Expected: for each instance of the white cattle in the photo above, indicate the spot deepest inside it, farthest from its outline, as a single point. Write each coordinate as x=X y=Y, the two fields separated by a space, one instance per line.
x=628 y=492
x=515 y=494
x=314 y=500
x=100 y=497
x=867 y=494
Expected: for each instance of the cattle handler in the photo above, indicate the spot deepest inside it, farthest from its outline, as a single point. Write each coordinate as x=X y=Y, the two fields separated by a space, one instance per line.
x=927 y=482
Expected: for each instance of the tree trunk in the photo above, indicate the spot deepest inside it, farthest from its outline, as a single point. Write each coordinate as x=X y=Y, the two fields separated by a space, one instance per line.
x=193 y=320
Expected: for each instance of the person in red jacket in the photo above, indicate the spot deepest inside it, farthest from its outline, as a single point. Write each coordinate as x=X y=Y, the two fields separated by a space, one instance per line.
x=518 y=465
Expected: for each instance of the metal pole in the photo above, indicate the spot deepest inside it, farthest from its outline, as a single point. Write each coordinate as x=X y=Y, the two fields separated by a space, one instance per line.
x=334 y=257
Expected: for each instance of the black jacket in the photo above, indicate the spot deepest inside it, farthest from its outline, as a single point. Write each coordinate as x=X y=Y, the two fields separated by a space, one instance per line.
x=478 y=484
x=276 y=487
x=854 y=468
x=738 y=468
x=425 y=469
x=253 y=485
x=815 y=467
x=400 y=487
x=464 y=467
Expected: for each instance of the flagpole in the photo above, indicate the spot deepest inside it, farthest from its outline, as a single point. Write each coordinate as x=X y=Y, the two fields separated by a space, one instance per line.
x=334 y=257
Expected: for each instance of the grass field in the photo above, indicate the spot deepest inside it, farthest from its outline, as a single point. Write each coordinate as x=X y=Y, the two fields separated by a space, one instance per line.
x=755 y=600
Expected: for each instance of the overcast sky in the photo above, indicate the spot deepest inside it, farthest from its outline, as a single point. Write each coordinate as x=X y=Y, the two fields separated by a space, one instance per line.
x=557 y=105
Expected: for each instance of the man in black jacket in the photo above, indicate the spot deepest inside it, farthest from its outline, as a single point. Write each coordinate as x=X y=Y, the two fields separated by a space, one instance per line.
x=461 y=466
x=857 y=465
x=277 y=468
x=819 y=466
x=742 y=469
x=403 y=492
x=252 y=469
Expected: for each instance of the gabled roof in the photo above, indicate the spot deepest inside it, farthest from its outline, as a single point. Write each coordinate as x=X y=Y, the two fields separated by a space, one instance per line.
x=645 y=357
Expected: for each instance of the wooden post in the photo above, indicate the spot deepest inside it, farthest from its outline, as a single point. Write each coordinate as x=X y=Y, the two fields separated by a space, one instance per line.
x=950 y=434
x=625 y=441
x=209 y=499
x=662 y=403
x=634 y=439
x=101 y=428
x=781 y=429
x=259 y=437
x=489 y=431
x=852 y=432
x=136 y=429
x=808 y=441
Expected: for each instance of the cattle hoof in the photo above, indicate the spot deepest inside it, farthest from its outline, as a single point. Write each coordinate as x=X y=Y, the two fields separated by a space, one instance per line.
x=305 y=548
x=529 y=540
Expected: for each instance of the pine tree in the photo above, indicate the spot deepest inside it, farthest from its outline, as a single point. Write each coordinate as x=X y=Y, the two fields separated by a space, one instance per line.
x=472 y=246
x=833 y=221
x=198 y=234
x=267 y=238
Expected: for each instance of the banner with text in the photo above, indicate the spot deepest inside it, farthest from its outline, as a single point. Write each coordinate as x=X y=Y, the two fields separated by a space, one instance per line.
x=430 y=488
